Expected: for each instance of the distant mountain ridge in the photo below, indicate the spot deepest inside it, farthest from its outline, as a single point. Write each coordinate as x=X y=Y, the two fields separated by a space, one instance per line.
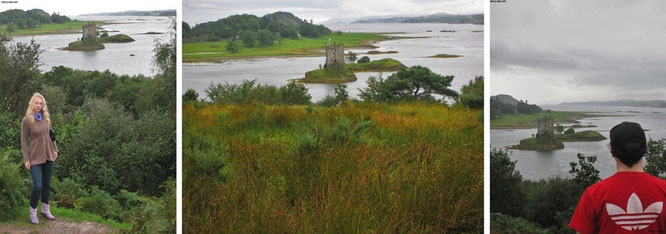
x=632 y=103
x=434 y=18
x=170 y=12
x=505 y=98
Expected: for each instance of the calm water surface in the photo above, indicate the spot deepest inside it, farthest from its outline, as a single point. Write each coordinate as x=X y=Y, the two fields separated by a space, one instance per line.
x=539 y=165
x=278 y=71
x=116 y=56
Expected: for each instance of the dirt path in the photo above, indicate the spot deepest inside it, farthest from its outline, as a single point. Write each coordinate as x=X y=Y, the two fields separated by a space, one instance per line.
x=57 y=226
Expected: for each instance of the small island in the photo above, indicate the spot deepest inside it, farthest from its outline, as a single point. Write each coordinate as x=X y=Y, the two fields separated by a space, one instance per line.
x=336 y=71
x=546 y=139
x=90 y=42
x=445 y=56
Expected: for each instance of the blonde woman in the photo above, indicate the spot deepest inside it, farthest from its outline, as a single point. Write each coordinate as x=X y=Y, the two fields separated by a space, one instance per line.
x=39 y=152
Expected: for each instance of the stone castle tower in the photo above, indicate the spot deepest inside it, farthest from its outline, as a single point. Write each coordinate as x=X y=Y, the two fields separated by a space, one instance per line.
x=335 y=55
x=89 y=31
x=545 y=127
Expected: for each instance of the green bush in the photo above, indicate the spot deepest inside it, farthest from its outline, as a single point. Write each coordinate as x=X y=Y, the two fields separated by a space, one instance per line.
x=471 y=95
x=11 y=198
x=67 y=192
x=364 y=59
x=101 y=203
x=505 y=224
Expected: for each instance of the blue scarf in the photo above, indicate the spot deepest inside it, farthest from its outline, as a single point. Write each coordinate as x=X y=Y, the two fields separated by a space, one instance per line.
x=38 y=116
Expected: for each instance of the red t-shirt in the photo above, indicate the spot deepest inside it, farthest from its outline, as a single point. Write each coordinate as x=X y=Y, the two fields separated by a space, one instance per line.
x=627 y=202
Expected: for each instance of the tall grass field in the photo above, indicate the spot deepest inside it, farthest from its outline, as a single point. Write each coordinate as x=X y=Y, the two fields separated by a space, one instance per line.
x=359 y=167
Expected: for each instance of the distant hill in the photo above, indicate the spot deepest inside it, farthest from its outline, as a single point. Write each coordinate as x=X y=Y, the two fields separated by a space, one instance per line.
x=171 y=12
x=279 y=24
x=505 y=98
x=434 y=18
x=282 y=17
x=20 y=19
x=632 y=103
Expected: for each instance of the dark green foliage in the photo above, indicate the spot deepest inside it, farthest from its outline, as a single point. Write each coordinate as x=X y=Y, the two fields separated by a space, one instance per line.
x=584 y=172
x=505 y=224
x=280 y=24
x=101 y=203
x=471 y=95
x=10 y=185
x=570 y=131
x=31 y=18
x=68 y=192
x=559 y=128
x=414 y=83
x=655 y=158
x=104 y=35
x=249 y=91
x=233 y=47
x=19 y=79
x=10 y=136
x=351 y=57
x=249 y=38
x=294 y=94
x=364 y=59
x=265 y=37
x=190 y=95
x=524 y=108
x=499 y=108
x=505 y=195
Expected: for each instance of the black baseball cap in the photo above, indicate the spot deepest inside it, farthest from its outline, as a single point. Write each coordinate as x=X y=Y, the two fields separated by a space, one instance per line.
x=628 y=143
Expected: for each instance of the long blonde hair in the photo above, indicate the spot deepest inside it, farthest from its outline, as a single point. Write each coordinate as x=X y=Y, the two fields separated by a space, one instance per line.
x=30 y=113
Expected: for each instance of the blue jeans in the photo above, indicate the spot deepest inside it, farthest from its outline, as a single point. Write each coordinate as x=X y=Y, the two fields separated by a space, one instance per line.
x=41 y=182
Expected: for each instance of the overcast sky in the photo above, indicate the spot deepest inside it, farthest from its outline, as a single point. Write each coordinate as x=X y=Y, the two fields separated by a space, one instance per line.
x=553 y=51
x=78 y=7
x=198 y=11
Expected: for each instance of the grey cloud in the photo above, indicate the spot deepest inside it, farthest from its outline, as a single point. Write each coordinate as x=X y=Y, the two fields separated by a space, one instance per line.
x=609 y=47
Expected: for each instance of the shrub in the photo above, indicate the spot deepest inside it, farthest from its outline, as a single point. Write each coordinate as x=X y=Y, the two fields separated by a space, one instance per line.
x=10 y=186
x=570 y=131
x=190 y=95
x=294 y=94
x=364 y=59
x=101 y=203
x=67 y=192
x=413 y=83
x=471 y=95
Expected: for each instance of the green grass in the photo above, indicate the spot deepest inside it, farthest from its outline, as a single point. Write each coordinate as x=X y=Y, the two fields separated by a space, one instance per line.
x=69 y=27
x=387 y=64
x=23 y=218
x=588 y=135
x=360 y=167
x=85 y=45
x=530 y=121
x=538 y=144
x=201 y=51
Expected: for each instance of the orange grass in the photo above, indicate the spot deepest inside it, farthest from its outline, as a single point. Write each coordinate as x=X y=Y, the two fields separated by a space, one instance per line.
x=416 y=167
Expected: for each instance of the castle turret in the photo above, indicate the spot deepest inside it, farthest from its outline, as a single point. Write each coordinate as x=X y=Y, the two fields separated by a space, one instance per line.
x=89 y=31
x=335 y=56
x=545 y=127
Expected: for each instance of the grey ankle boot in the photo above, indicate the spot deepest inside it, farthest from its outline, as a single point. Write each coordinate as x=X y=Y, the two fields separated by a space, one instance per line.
x=46 y=211
x=33 y=216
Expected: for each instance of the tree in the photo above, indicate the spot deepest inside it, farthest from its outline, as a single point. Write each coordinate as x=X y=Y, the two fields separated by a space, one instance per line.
x=655 y=158
x=232 y=47
x=19 y=63
x=249 y=38
x=505 y=194
x=11 y=28
x=190 y=95
x=471 y=95
x=265 y=37
x=584 y=172
x=351 y=57
x=413 y=83
x=294 y=93
x=559 y=128
x=364 y=59
x=105 y=34
x=570 y=131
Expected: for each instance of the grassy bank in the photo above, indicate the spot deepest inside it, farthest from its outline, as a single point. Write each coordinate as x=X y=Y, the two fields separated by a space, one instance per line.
x=588 y=135
x=207 y=51
x=64 y=28
x=387 y=64
x=530 y=121
x=359 y=167
x=23 y=219
x=329 y=76
x=118 y=38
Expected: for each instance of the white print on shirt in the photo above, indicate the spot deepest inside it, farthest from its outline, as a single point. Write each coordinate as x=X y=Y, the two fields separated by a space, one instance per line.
x=635 y=218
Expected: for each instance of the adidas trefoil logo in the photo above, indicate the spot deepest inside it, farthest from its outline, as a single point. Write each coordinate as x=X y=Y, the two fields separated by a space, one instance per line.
x=635 y=218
